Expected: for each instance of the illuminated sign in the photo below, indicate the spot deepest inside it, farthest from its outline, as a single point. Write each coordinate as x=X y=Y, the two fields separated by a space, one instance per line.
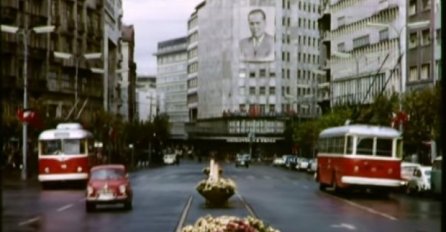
x=257 y=126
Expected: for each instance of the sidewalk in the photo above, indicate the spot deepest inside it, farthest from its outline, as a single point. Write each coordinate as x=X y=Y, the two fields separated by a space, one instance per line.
x=12 y=178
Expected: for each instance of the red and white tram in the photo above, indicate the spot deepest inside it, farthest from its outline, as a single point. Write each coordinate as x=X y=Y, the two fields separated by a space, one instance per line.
x=65 y=153
x=362 y=156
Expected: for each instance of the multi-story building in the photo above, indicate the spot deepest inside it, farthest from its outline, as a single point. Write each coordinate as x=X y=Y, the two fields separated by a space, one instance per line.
x=192 y=64
x=423 y=44
x=385 y=47
x=146 y=98
x=60 y=63
x=127 y=80
x=240 y=97
x=367 y=49
x=172 y=84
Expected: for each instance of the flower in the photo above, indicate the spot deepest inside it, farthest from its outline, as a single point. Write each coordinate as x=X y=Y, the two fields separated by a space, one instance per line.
x=229 y=224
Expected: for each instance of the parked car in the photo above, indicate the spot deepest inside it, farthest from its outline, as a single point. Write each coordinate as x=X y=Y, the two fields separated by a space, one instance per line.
x=108 y=184
x=171 y=159
x=407 y=171
x=290 y=161
x=420 y=181
x=243 y=160
x=302 y=163
x=279 y=161
x=436 y=184
x=312 y=165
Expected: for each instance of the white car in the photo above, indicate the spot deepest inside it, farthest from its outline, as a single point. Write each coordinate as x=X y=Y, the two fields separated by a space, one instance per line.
x=420 y=181
x=302 y=163
x=279 y=161
x=170 y=159
x=407 y=170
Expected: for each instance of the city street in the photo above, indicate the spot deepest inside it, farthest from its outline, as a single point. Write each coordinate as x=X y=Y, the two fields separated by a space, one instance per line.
x=165 y=199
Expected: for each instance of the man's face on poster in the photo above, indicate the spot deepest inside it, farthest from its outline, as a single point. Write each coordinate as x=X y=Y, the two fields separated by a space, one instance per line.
x=256 y=24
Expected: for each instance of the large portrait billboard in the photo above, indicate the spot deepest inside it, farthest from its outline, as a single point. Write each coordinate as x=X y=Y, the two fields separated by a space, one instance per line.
x=257 y=34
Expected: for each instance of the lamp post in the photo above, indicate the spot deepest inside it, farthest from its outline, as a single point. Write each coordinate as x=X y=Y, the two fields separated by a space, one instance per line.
x=401 y=52
x=77 y=58
x=25 y=32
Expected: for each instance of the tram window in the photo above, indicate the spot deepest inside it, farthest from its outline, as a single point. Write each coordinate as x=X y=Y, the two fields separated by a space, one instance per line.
x=384 y=147
x=73 y=147
x=365 y=146
x=51 y=147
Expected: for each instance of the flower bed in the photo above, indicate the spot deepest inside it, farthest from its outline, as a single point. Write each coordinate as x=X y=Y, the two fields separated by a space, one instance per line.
x=216 y=192
x=228 y=224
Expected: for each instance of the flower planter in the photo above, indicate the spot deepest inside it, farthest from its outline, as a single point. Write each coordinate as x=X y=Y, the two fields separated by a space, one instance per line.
x=229 y=223
x=216 y=193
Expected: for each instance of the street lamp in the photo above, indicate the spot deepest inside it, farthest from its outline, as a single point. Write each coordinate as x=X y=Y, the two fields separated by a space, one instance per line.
x=77 y=58
x=25 y=32
x=401 y=52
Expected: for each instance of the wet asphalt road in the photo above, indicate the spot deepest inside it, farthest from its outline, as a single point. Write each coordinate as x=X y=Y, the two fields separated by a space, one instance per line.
x=165 y=199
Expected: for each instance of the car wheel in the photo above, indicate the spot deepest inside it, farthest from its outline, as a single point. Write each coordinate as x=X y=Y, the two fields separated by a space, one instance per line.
x=90 y=207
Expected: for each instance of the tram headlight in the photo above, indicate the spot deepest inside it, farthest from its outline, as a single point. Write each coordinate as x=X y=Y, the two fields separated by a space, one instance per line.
x=122 y=189
x=47 y=170
x=356 y=168
x=79 y=169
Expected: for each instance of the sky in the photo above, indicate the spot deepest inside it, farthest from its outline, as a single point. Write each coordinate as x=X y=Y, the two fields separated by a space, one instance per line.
x=155 y=21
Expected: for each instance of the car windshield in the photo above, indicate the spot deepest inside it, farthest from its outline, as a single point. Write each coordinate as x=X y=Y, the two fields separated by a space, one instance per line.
x=107 y=174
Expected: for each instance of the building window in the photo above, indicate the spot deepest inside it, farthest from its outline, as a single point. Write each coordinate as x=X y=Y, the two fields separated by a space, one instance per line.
x=361 y=41
x=425 y=72
x=413 y=74
x=341 y=47
x=252 y=74
x=262 y=90
x=252 y=90
x=242 y=91
x=384 y=34
x=438 y=38
x=272 y=108
x=262 y=73
x=272 y=74
x=413 y=40
x=242 y=108
x=426 y=4
x=425 y=37
x=272 y=90
x=412 y=7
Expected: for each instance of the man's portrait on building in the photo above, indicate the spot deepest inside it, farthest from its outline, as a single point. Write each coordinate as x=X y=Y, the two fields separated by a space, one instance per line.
x=259 y=45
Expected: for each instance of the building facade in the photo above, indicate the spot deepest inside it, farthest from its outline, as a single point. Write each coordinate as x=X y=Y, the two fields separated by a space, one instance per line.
x=146 y=98
x=172 y=84
x=239 y=94
x=127 y=80
x=423 y=44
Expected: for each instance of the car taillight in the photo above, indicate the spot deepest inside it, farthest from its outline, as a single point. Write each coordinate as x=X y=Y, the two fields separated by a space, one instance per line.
x=90 y=190
x=122 y=189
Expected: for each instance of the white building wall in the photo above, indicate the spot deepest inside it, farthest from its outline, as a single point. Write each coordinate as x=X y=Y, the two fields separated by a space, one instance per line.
x=147 y=103
x=172 y=85
x=352 y=77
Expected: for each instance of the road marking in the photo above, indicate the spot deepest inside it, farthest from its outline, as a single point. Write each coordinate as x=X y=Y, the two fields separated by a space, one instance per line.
x=29 y=221
x=184 y=214
x=64 y=207
x=247 y=206
x=370 y=210
x=344 y=225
